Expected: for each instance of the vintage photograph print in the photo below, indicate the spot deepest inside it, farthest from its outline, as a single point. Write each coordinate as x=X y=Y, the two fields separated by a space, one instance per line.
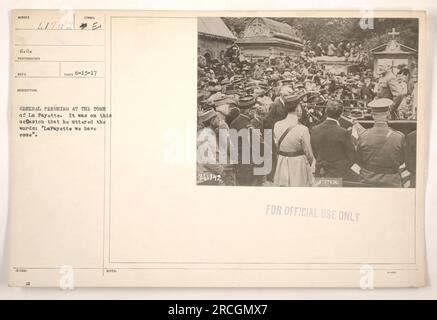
x=307 y=102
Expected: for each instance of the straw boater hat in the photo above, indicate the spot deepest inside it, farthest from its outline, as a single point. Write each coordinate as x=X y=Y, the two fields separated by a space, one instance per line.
x=293 y=98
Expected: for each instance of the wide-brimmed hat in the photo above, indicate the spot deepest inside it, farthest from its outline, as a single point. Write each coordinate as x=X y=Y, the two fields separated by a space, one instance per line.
x=207 y=115
x=223 y=100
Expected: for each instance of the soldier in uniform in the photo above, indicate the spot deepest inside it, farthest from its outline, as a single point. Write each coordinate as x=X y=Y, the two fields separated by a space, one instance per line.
x=390 y=88
x=380 y=150
x=244 y=171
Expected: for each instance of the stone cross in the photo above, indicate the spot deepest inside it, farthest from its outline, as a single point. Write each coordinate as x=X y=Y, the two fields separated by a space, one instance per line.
x=393 y=33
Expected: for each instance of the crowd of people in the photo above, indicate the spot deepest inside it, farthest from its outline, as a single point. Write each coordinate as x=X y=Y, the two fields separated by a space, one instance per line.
x=350 y=50
x=297 y=98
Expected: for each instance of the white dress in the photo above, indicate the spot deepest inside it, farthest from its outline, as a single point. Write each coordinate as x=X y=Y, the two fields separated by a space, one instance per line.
x=293 y=171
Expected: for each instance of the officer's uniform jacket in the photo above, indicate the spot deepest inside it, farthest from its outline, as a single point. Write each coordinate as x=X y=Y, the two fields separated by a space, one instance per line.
x=380 y=152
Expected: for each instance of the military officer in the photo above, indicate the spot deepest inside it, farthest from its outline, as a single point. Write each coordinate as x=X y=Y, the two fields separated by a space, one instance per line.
x=244 y=171
x=390 y=88
x=245 y=104
x=380 y=150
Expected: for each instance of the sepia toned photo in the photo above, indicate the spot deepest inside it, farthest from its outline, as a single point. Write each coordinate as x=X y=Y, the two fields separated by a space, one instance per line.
x=307 y=102
x=116 y=180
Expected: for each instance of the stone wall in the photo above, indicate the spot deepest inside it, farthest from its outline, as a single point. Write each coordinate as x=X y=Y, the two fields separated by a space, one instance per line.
x=263 y=51
x=212 y=46
x=335 y=65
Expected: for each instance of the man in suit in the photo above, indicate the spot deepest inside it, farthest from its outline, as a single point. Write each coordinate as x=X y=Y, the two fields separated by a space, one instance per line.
x=277 y=110
x=332 y=146
x=380 y=149
x=319 y=50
